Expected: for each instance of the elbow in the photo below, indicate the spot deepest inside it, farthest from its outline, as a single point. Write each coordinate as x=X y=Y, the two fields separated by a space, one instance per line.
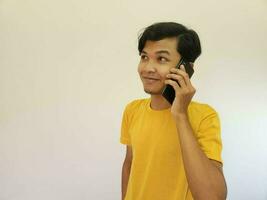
x=212 y=196
x=217 y=193
x=221 y=194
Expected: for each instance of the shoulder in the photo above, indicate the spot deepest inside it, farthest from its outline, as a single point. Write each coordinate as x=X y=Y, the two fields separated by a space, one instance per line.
x=201 y=109
x=204 y=117
x=134 y=107
x=136 y=104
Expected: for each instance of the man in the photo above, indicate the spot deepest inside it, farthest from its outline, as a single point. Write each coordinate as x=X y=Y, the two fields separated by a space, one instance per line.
x=173 y=151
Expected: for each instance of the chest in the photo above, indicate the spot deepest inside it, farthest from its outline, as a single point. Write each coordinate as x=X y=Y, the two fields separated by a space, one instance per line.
x=154 y=136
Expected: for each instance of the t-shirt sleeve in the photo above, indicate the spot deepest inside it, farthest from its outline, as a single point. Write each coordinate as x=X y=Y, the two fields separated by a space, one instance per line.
x=209 y=134
x=125 y=125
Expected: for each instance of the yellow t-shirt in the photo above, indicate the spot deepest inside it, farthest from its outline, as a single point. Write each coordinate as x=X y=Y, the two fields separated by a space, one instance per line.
x=157 y=171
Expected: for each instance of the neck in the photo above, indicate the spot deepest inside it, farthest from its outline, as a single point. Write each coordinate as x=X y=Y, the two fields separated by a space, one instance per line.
x=158 y=102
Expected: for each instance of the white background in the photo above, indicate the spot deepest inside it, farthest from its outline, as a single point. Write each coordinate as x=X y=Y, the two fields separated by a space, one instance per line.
x=68 y=68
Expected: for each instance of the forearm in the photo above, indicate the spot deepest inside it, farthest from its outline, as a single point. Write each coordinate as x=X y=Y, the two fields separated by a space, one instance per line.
x=204 y=179
x=126 y=168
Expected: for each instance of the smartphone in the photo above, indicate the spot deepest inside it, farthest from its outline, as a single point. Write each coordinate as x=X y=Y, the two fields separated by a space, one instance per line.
x=168 y=92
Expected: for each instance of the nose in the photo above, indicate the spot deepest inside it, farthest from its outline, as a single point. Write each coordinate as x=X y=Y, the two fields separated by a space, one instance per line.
x=150 y=66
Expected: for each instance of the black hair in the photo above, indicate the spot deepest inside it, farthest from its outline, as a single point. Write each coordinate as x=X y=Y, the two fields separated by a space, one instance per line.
x=188 y=41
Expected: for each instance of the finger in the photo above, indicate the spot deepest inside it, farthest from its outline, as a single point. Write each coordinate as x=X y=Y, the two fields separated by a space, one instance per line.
x=178 y=78
x=183 y=68
x=187 y=79
x=181 y=71
x=174 y=84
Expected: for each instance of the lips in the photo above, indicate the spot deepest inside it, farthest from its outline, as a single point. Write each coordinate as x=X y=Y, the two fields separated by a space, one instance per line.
x=150 y=78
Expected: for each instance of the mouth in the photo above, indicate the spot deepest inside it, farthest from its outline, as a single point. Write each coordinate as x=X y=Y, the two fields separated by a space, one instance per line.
x=150 y=80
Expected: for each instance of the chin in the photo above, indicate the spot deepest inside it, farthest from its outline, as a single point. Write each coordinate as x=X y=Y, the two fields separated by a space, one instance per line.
x=153 y=89
x=153 y=92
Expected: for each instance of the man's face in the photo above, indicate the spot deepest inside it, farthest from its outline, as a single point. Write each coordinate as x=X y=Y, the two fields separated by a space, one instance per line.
x=157 y=58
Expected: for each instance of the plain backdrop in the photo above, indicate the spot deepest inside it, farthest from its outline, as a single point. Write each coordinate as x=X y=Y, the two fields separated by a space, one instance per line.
x=68 y=68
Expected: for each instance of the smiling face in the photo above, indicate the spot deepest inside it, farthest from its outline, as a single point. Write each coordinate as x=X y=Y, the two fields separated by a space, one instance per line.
x=157 y=58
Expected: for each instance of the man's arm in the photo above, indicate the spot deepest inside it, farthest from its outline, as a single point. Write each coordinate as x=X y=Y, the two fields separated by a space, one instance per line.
x=126 y=168
x=205 y=177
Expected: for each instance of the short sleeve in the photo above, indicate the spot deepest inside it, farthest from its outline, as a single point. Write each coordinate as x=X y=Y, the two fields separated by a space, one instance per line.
x=125 y=124
x=209 y=134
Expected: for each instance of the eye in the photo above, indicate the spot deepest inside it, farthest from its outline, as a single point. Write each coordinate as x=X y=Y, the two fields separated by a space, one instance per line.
x=162 y=59
x=143 y=57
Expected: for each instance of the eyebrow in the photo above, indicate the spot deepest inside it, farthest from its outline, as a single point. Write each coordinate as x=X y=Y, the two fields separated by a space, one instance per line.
x=159 y=52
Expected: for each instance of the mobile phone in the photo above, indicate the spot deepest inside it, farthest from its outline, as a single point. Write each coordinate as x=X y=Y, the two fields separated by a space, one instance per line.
x=168 y=92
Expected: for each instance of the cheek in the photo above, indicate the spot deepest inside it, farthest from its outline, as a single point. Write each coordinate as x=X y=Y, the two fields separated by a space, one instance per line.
x=164 y=72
